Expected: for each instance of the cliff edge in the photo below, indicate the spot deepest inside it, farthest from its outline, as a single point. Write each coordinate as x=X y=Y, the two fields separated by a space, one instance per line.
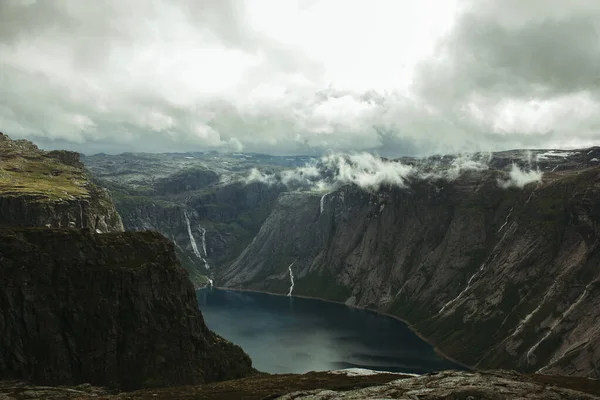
x=113 y=310
x=52 y=189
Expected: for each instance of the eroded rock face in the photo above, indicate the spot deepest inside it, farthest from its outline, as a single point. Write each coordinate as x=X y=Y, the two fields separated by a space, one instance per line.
x=452 y=385
x=496 y=278
x=112 y=310
x=218 y=223
x=39 y=188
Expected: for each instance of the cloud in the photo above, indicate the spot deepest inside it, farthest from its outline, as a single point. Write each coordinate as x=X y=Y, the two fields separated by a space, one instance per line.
x=369 y=172
x=523 y=73
x=392 y=78
x=520 y=178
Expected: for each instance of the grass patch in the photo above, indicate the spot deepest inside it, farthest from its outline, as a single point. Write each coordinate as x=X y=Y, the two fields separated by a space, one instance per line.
x=43 y=179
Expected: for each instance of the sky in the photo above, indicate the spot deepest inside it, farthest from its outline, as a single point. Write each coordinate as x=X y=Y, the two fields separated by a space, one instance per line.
x=392 y=77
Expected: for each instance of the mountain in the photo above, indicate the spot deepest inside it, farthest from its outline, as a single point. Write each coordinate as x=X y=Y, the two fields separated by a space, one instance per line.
x=494 y=276
x=201 y=201
x=491 y=257
x=84 y=302
x=467 y=251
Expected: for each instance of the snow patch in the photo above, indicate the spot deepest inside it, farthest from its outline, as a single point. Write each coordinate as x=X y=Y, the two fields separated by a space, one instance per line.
x=366 y=372
x=554 y=154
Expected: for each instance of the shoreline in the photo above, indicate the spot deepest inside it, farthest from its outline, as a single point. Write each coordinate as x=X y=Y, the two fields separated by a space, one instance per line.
x=410 y=326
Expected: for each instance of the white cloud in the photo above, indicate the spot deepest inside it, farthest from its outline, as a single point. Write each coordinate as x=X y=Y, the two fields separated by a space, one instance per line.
x=520 y=178
x=287 y=76
x=367 y=171
x=370 y=172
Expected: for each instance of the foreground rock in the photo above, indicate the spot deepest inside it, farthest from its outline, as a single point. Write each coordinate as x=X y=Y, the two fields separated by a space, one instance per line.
x=449 y=385
x=452 y=385
x=112 y=310
x=39 y=188
x=18 y=390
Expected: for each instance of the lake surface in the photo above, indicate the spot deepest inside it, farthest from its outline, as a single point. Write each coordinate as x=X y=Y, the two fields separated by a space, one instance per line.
x=295 y=335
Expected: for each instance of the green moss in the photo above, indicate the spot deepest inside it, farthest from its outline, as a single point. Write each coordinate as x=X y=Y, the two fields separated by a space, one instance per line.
x=42 y=178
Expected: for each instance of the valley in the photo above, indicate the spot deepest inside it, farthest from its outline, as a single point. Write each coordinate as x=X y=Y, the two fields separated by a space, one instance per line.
x=92 y=310
x=491 y=257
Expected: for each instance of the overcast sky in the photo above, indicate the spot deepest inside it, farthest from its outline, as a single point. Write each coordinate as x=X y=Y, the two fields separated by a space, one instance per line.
x=301 y=76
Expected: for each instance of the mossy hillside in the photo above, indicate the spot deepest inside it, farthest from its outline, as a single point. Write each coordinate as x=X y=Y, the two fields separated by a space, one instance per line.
x=43 y=179
x=28 y=171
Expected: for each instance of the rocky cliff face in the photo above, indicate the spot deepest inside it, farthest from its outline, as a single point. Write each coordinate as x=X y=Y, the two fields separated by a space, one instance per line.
x=39 y=188
x=209 y=217
x=209 y=229
x=112 y=310
x=495 y=277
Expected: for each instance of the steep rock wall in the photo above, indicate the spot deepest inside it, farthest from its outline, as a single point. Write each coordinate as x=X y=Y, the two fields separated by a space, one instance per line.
x=494 y=277
x=219 y=222
x=113 y=310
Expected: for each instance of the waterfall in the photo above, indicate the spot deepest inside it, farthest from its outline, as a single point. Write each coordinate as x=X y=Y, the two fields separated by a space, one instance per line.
x=506 y=221
x=490 y=258
x=291 y=279
x=204 y=241
x=322 y=202
x=192 y=240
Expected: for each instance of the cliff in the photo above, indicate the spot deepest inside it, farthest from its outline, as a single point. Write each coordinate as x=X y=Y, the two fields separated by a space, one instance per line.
x=210 y=228
x=494 y=277
x=112 y=310
x=39 y=188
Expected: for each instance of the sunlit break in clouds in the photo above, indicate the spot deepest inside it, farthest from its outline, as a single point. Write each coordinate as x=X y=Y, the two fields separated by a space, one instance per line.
x=393 y=77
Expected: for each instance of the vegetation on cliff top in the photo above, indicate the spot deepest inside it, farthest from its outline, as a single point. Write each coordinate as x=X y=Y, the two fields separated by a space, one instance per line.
x=26 y=170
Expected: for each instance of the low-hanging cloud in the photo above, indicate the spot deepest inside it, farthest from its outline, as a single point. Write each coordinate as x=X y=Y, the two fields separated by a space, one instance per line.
x=369 y=171
x=520 y=178
x=332 y=171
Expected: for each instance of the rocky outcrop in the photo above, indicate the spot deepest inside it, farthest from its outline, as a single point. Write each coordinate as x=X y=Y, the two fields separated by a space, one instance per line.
x=496 y=278
x=51 y=189
x=452 y=385
x=112 y=310
x=447 y=385
x=19 y=390
x=95 y=211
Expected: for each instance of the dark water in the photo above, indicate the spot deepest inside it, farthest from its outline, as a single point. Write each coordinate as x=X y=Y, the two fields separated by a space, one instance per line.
x=283 y=334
